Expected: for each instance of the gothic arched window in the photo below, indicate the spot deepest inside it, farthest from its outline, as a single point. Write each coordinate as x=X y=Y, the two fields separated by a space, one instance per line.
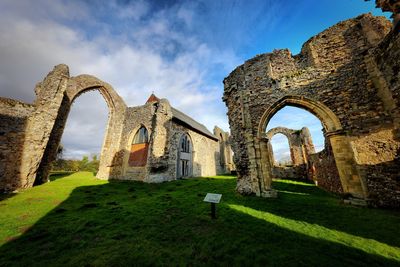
x=141 y=136
x=139 y=148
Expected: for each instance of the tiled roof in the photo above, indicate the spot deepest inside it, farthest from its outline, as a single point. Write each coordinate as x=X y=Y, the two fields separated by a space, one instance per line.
x=152 y=98
x=182 y=117
x=185 y=119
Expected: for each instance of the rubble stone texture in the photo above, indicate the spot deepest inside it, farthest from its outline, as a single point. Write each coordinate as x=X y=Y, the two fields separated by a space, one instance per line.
x=166 y=126
x=31 y=134
x=347 y=76
x=391 y=6
x=300 y=146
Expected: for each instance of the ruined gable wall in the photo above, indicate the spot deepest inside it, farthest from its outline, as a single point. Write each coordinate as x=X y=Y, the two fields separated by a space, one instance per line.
x=13 y=118
x=331 y=70
x=161 y=169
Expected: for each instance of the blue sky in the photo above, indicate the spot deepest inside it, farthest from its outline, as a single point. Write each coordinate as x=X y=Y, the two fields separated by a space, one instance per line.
x=181 y=50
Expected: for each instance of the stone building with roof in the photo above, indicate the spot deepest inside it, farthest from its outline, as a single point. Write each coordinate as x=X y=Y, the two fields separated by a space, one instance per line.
x=163 y=143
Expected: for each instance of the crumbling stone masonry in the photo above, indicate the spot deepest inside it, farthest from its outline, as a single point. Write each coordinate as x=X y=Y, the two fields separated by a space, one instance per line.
x=31 y=140
x=225 y=150
x=30 y=134
x=166 y=127
x=300 y=146
x=347 y=76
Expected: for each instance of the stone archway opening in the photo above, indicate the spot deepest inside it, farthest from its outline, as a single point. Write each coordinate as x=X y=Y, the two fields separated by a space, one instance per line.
x=80 y=128
x=339 y=152
x=291 y=149
x=110 y=164
x=84 y=132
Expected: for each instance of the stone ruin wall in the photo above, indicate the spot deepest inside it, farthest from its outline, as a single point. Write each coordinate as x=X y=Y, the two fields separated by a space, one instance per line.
x=136 y=117
x=226 y=160
x=332 y=77
x=379 y=153
x=307 y=164
x=13 y=117
x=32 y=132
x=323 y=171
x=300 y=146
x=36 y=130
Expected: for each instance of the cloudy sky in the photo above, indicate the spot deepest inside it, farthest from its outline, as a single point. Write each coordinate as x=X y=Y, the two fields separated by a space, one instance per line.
x=179 y=49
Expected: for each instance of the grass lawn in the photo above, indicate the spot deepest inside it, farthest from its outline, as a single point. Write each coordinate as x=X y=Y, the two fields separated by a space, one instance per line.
x=76 y=220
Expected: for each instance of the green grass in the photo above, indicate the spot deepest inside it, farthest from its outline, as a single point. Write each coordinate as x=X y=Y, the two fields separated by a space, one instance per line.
x=77 y=220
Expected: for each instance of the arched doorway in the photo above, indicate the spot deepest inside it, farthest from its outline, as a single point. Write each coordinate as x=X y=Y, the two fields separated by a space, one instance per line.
x=185 y=157
x=139 y=148
x=341 y=148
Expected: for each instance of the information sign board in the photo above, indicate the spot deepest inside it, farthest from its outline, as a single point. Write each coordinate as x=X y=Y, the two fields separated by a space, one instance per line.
x=213 y=198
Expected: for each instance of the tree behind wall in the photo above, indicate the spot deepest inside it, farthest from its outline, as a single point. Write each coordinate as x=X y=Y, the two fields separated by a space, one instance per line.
x=76 y=165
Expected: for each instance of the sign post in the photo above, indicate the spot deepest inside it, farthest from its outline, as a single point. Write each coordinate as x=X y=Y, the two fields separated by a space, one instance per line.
x=213 y=199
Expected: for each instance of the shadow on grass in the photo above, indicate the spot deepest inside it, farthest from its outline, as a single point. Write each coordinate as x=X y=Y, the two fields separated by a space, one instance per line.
x=4 y=196
x=58 y=175
x=125 y=223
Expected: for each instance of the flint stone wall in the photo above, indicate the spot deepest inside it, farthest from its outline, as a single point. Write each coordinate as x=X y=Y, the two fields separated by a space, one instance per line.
x=347 y=77
x=298 y=172
x=164 y=137
x=13 y=117
x=323 y=171
x=32 y=133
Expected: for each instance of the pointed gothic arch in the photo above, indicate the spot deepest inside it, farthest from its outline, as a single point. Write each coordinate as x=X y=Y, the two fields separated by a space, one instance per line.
x=341 y=147
x=139 y=147
x=110 y=161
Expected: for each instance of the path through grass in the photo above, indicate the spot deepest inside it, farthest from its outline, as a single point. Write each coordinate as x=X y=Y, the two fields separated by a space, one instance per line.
x=80 y=221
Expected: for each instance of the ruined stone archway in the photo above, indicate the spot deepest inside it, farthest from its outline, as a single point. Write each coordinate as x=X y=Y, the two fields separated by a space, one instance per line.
x=288 y=133
x=342 y=150
x=300 y=148
x=111 y=157
x=354 y=78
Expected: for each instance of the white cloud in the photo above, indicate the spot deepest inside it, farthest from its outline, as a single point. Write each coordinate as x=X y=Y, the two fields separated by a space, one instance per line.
x=34 y=39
